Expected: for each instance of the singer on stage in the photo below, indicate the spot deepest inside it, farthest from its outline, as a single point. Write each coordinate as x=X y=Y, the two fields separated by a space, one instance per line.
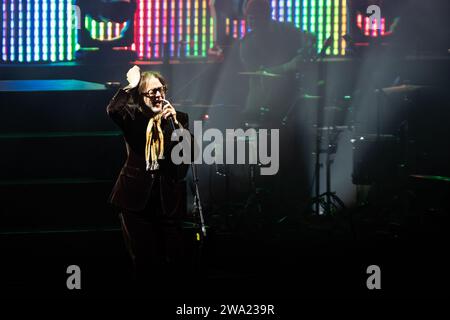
x=150 y=190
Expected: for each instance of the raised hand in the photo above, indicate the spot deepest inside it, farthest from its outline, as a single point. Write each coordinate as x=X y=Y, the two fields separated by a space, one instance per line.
x=133 y=78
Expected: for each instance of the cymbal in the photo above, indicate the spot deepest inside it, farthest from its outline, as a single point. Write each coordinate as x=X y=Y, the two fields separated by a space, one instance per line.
x=404 y=88
x=309 y=97
x=261 y=73
x=431 y=178
x=336 y=128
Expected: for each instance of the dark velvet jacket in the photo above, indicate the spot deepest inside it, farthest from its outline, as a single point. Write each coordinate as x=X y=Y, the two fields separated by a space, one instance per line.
x=134 y=184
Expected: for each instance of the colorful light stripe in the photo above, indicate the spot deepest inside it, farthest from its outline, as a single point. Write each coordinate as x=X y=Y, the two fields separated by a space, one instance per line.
x=149 y=29
x=109 y=30
x=328 y=23
x=374 y=29
x=343 y=24
x=28 y=33
x=164 y=22
x=61 y=45
x=188 y=29
x=274 y=10
x=157 y=39
x=53 y=30
x=4 y=43
x=196 y=22
x=180 y=29
x=366 y=26
x=44 y=32
x=305 y=15
x=101 y=31
x=336 y=33
x=117 y=30
x=281 y=6
x=320 y=25
x=204 y=35
x=141 y=28
x=289 y=11
x=359 y=20
x=297 y=14
x=313 y=18
x=12 y=53
x=20 y=31
x=211 y=32
x=172 y=28
x=69 y=39
x=243 y=28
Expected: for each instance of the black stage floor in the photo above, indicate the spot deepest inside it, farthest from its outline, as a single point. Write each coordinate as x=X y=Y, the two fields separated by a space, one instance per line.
x=301 y=257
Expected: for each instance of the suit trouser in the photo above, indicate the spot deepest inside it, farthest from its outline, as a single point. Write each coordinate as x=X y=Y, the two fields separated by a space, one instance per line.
x=155 y=245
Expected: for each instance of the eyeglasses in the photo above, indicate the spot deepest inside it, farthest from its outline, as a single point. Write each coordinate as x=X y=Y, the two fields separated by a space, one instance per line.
x=152 y=92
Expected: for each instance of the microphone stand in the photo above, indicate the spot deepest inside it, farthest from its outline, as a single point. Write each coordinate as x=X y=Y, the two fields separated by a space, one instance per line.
x=197 y=206
x=319 y=125
x=328 y=200
x=197 y=209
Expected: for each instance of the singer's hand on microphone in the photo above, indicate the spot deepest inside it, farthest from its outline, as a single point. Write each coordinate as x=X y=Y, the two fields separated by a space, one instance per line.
x=169 y=110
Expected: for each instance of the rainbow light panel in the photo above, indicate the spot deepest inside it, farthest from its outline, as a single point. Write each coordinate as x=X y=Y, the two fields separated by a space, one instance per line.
x=235 y=28
x=324 y=18
x=44 y=30
x=105 y=31
x=363 y=23
x=37 y=30
x=172 y=27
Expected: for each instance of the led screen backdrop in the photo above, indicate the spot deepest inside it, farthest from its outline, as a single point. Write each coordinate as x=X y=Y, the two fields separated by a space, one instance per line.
x=45 y=30
x=37 y=30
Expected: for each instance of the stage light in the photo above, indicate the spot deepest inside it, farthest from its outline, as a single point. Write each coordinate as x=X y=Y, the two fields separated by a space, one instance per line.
x=52 y=31
x=305 y=15
x=289 y=11
x=203 y=34
x=164 y=26
x=320 y=25
x=43 y=30
x=172 y=28
x=296 y=13
x=100 y=18
x=149 y=28
x=313 y=18
x=188 y=29
x=37 y=30
x=328 y=24
x=343 y=25
x=20 y=32
x=196 y=27
x=12 y=54
x=361 y=22
x=281 y=5
x=180 y=28
x=336 y=33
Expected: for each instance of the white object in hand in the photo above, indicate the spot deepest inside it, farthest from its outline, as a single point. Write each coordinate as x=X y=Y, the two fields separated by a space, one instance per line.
x=133 y=77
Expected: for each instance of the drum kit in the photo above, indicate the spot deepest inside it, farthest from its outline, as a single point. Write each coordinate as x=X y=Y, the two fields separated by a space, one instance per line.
x=369 y=150
x=330 y=121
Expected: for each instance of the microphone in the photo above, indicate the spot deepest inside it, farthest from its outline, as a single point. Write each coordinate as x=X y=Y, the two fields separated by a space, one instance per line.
x=170 y=117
